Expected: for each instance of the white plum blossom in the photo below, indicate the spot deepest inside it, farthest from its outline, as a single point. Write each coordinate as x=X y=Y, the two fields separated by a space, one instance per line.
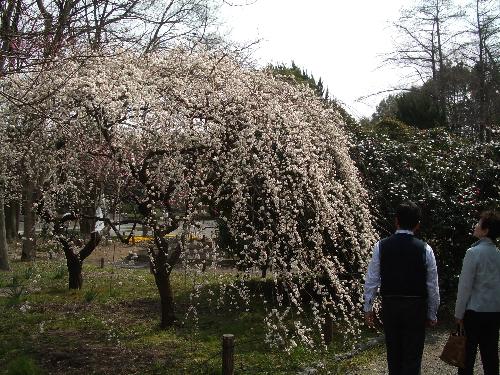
x=201 y=131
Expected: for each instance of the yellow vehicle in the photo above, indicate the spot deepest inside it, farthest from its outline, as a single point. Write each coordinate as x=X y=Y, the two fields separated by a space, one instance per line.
x=136 y=239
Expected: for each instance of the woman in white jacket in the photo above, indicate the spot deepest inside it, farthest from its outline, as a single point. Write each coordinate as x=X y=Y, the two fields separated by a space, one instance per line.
x=477 y=308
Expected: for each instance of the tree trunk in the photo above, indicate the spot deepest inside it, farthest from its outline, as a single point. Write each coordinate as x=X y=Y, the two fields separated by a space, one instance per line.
x=4 y=250
x=87 y=225
x=29 y=235
x=442 y=102
x=10 y=221
x=74 y=271
x=167 y=301
x=17 y=207
x=75 y=261
x=162 y=279
x=481 y=66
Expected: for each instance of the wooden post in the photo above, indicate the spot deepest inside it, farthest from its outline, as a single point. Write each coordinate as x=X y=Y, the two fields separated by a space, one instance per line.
x=227 y=354
x=102 y=262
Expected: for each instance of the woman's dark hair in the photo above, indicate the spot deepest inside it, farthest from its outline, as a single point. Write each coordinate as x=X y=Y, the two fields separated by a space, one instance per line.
x=491 y=220
x=408 y=215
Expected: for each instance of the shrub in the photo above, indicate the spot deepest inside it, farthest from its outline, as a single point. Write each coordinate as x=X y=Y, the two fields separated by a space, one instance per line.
x=23 y=365
x=450 y=177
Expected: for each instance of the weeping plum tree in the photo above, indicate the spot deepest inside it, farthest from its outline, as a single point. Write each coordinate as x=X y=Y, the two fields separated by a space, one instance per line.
x=292 y=202
x=270 y=158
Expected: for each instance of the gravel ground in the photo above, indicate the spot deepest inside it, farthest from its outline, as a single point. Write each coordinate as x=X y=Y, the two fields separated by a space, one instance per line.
x=431 y=364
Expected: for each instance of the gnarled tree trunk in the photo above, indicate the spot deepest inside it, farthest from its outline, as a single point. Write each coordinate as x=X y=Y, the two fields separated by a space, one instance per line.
x=162 y=280
x=74 y=271
x=161 y=270
x=74 y=260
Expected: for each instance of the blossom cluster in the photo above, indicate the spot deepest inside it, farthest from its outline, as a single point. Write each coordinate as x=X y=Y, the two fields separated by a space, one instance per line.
x=267 y=158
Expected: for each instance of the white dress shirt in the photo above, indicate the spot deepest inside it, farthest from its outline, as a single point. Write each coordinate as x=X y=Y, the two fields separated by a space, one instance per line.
x=372 y=280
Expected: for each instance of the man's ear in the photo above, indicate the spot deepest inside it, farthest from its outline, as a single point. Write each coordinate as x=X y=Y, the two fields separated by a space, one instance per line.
x=417 y=227
x=396 y=222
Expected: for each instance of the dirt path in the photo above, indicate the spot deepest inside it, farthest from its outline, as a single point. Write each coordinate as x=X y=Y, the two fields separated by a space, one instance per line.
x=431 y=364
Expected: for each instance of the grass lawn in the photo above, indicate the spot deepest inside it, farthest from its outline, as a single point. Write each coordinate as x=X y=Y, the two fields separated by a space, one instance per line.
x=111 y=326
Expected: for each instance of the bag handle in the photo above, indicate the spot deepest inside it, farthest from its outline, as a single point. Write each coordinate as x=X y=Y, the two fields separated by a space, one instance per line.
x=459 y=331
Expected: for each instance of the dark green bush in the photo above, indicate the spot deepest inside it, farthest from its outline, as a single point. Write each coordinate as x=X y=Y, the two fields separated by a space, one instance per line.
x=23 y=365
x=451 y=178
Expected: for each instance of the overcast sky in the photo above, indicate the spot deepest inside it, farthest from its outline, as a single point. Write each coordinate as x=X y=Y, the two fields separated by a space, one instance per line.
x=338 y=40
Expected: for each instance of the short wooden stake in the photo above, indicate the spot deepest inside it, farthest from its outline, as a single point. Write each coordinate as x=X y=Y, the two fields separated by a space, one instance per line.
x=102 y=262
x=227 y=354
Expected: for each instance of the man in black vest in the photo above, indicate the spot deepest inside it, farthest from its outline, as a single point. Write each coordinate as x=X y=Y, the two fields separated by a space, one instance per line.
x=404 y=268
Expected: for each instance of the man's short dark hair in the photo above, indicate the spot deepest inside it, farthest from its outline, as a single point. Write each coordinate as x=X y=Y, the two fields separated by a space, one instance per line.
x=408 y=215
x=491 y=220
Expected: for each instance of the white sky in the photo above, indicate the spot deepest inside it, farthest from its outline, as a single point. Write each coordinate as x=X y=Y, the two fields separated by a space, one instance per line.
x=340 y=41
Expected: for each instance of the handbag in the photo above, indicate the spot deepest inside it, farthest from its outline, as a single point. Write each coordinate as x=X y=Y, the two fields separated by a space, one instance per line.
x=454 y=349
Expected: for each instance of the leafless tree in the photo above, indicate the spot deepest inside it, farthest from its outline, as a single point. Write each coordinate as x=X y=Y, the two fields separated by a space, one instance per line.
x=426 y=42
x=37 y=31
x=483 y=54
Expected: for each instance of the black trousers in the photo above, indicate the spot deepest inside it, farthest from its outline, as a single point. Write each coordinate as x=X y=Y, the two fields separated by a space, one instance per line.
x=481 y=329
x=404 y=327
